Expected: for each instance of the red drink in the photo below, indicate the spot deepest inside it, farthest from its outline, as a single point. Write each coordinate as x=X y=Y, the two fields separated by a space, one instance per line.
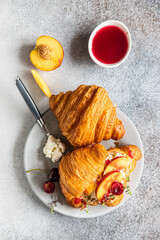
x=109 y=45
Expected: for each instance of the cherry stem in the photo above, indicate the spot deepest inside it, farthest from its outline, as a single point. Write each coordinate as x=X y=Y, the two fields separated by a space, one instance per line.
x=38 y=169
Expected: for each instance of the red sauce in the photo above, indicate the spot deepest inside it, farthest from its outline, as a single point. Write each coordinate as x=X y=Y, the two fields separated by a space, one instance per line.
x=77 y=200
x=130 y=153
x=109 y=45
x=117 y=157
x=105 y=197
x=107 y=161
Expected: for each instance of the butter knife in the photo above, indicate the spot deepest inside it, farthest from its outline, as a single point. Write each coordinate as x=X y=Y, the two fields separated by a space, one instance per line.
x=31 y=105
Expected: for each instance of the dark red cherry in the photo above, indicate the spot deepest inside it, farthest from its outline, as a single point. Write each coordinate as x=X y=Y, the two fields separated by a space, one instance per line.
x=117 y=188
x=54 y=175
x=48 y=187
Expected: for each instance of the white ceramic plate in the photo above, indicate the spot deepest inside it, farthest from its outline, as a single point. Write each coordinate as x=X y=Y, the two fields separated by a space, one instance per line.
x=34 y=158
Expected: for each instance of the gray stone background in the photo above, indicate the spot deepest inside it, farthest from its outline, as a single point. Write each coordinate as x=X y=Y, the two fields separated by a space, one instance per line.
x=134 y=85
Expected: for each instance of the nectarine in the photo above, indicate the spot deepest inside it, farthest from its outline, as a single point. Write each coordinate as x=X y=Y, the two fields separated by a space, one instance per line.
x=89 y=189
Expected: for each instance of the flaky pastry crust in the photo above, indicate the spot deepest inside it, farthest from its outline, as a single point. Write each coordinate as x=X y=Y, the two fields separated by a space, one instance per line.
x=86 y=165
x=80 y=168
x=86 y=115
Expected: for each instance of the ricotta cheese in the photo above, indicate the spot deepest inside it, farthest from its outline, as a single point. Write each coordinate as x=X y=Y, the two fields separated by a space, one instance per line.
x=54 y=148
x=111 y=156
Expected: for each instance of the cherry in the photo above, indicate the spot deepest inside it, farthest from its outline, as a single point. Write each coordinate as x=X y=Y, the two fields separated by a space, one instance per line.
x=48 y=187
x=117 y=188
x=77 y=200
x=54 y=175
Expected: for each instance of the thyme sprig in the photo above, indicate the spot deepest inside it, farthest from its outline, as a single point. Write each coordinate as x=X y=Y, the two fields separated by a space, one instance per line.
x=127 y=179
x=111 y=197
x=54 y=204
x=52 y=209
x=86 y=209
x=128 y=190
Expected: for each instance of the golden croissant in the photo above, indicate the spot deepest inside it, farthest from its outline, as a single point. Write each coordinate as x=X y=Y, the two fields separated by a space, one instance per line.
x=86 y=115
x=92 y=175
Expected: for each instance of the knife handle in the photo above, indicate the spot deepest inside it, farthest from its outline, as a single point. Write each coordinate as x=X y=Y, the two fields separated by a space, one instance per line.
x=28 y=99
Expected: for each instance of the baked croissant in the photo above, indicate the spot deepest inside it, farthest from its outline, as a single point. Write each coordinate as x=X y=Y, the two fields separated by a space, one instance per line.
x=86 y=115
x=93 y=175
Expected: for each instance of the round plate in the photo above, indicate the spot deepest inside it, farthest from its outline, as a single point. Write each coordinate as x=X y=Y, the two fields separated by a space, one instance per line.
x=34 y=158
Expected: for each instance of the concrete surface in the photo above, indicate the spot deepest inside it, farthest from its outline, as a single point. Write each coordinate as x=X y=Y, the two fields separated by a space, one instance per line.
x=134 y=85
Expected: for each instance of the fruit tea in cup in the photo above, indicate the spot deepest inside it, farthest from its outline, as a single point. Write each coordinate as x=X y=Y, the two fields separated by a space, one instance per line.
x=109 y=43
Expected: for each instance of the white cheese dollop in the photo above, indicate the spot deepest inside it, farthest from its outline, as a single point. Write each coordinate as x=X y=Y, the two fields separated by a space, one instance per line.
x=54 y=148
x=111 y=156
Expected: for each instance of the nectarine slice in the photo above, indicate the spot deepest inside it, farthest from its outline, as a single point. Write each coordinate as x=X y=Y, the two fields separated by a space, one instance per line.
x=118 y=164
x=89 y=189
x=41 y=83
x=114 y=202
x=47 y=54
x=105 y=183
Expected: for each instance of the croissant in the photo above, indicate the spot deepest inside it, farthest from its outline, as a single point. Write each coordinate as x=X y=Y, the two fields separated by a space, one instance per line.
x=86 y=115
x=92 y=175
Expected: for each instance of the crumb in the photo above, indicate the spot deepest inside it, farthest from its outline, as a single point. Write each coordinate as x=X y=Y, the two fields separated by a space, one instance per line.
x=116 y=144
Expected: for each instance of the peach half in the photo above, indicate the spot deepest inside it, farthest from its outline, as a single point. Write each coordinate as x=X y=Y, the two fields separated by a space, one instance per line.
x=47 y=54
x=105 y=183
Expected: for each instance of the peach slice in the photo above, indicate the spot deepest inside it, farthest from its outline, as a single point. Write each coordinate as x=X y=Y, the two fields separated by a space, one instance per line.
x=47 y=54
x=114 y=202
x=41 y=83
x=105 y=183
x=89 y=189
x=118 y=164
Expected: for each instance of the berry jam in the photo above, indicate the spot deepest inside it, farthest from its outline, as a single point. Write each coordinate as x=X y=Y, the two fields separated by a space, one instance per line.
x=130 y=153
x=109 y=45
x=105 y=197
x=77 y=200
x=107 y=161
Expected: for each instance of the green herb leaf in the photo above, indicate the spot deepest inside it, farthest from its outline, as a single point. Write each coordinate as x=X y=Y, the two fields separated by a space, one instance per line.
x=89 y=197
x=128 y=190
x=127 y=179
x=86 y=209
x=112 y=196
x=52 y=209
